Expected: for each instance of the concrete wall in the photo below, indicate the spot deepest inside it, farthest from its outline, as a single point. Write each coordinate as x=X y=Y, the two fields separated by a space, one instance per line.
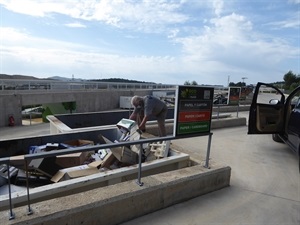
x=121 y=202
x=10 y=105
x=86 y=101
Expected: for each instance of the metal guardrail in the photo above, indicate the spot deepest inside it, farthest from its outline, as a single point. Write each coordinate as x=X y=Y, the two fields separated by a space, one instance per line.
x=19 y=85
x=140 y=142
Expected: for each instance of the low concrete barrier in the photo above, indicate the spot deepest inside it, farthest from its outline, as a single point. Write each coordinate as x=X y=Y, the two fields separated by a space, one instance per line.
x=228 y=122
x=215 y=124
x=227 y=108
x=124 y=201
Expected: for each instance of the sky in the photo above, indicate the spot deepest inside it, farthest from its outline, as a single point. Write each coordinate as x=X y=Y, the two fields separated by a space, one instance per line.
x=211 y=42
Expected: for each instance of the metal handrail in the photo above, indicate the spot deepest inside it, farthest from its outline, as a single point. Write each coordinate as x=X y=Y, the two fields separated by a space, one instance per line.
x=93 y=148
x=52 y=153
x=19 y=85
x=6 y=161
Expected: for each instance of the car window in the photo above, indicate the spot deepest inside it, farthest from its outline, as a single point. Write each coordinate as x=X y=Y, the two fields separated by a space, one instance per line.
x=298 y=104
x=295 y=102
x=293 y=118
x=268 y=95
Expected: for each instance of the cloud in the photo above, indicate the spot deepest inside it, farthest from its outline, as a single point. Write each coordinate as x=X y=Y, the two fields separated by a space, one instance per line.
x=75 y=25
x=230 y=45
x=38 y=8
x=146 y=16
x=11 y=37
x=26 y=54
x=291 y=22
x=218 y=6
x=211 y=42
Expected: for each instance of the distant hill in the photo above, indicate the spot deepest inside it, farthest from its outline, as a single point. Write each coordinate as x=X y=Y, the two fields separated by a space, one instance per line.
x=64 y=78
x=119 y=80
x=5 y=76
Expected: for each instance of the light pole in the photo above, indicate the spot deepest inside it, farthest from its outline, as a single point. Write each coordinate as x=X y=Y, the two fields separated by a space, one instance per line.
x=244 y=78
x=228 y=81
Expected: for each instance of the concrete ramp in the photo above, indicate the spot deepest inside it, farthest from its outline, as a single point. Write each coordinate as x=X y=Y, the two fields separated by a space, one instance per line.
x=124 y=201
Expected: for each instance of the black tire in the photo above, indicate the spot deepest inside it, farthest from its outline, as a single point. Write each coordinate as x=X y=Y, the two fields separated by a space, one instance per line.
x=276 y=138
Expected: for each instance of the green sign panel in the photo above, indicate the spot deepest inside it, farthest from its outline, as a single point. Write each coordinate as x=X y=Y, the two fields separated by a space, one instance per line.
x=195 y=127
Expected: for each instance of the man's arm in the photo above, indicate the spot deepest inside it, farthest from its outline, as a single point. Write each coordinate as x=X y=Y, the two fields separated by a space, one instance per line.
x=133 y=116
x=143 y=123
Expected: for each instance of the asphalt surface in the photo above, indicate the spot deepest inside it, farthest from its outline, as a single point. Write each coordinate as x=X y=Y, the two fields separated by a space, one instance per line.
x=265 y=180
x=265 y=184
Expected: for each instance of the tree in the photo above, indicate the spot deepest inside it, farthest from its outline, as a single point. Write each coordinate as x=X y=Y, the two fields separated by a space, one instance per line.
x=194 y=83
x=190 y=83
x=69 y=106
x=238 y=84
x=291 y=80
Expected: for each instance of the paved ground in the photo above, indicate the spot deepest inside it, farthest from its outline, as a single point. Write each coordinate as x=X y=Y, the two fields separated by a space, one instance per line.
x=32 y=128
x=264 y=190
x=265 y=181
x=265 y=185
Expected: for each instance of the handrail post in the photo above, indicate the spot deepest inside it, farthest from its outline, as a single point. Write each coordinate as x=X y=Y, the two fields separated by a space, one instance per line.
x=208 y=151
x=140 y=167
x=11 y=214
x=27 y=184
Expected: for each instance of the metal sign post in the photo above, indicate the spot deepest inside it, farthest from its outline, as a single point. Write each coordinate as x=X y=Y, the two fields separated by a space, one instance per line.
x=193 y=113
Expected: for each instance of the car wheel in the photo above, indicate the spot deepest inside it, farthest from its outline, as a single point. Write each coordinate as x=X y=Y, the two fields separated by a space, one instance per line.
x=276 y=138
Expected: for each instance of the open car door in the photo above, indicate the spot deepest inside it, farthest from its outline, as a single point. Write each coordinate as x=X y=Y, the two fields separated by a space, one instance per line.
x=266 y=115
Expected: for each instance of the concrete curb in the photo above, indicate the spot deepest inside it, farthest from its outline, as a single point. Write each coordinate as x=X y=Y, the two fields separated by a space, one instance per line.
x=124 y=201
x=215 y=124
x=228 y=122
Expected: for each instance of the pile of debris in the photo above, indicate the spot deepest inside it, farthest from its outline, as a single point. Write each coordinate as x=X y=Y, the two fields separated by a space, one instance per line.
x=58 y=168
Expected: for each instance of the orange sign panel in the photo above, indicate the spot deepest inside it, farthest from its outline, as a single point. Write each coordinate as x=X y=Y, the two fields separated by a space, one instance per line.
x=191 y=116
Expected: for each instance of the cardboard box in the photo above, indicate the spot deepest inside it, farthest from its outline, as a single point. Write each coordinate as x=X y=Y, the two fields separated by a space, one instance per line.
x=108 y=160
x=84 y=170
x=127 y=154
x=35 y=178
x=78 y=142
x=106 y=156
x=77 y=171
x=43 y=148
x=126 y=125
x=74 y=159
x=17 y=161
x=46 y=166
x=4 y=173
x=71 y=160
x=124 y=154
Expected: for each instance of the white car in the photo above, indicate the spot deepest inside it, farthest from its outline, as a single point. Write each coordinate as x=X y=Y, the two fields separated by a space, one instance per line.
x=35 y=112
